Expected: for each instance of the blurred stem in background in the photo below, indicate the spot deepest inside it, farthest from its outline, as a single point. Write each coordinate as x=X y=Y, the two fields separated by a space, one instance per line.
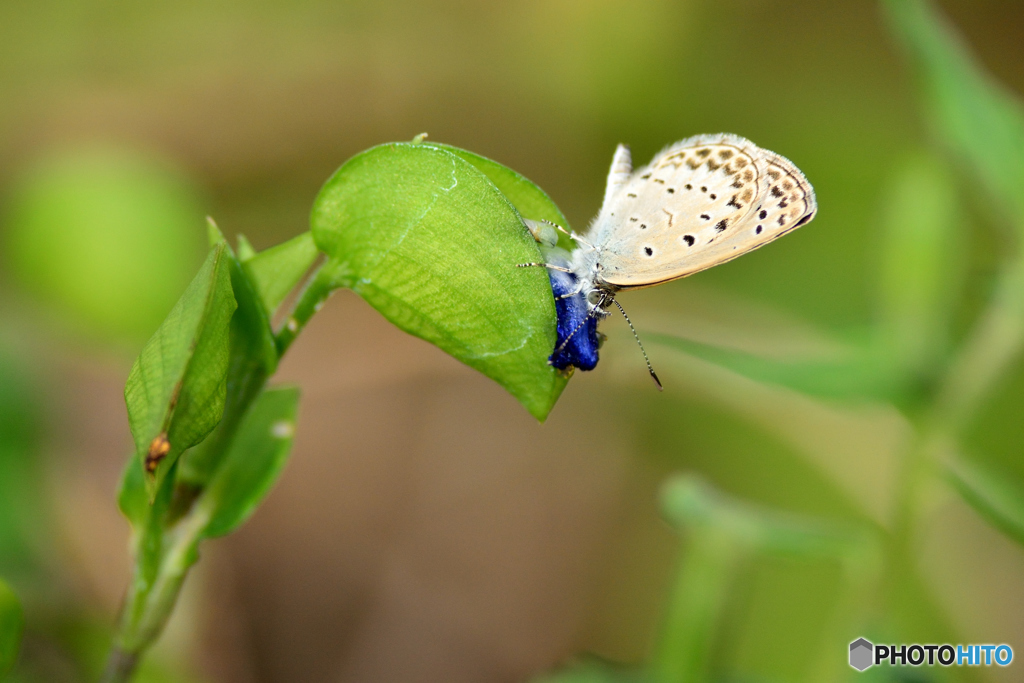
x=721 y=534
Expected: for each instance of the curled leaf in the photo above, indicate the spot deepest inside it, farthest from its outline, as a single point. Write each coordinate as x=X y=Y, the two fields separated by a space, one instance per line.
x=431 y=242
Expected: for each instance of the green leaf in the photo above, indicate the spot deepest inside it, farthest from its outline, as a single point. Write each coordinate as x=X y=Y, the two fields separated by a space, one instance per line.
x=274 y=272
x=253 y=358
x=176 y=389
x=245 y=249
x=977 y=117
x=12 y=622
x=996 y=497
x=860 y=369
x=132 y=497
x=253 y=463
x=920 y=265
x=531 y=201
x=430 y=242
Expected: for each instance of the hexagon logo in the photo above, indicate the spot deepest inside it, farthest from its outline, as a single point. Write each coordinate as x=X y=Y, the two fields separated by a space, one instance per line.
x=861 y=654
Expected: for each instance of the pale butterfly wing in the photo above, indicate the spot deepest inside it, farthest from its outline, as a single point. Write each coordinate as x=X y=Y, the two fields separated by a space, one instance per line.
x=701 y=202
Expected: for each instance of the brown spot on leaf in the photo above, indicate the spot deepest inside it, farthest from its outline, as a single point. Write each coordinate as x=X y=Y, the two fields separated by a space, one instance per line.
x=158 y=450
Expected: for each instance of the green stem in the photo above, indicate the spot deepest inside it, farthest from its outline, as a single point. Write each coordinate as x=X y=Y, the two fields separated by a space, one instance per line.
x=313 y=296
x=153 y=594
x=697 y=598
x=149 y=603
x=996 y=341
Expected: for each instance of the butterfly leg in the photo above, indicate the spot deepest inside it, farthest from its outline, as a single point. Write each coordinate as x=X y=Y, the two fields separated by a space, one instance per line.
x=571 y=233
x=545 y=265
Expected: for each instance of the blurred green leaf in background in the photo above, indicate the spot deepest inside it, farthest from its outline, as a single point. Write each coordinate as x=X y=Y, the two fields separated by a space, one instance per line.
x=106 y=235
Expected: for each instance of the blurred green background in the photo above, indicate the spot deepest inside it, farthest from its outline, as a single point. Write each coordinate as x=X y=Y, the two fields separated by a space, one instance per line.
x=427 y=528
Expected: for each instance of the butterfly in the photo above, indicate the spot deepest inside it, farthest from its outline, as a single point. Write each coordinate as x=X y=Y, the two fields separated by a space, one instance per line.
x=700 y=202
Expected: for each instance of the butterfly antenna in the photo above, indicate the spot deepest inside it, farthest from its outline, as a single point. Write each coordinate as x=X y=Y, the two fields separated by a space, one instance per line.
x=642 y=350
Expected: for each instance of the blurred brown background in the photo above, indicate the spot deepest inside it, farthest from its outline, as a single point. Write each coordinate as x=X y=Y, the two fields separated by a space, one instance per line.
x=427 y=528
